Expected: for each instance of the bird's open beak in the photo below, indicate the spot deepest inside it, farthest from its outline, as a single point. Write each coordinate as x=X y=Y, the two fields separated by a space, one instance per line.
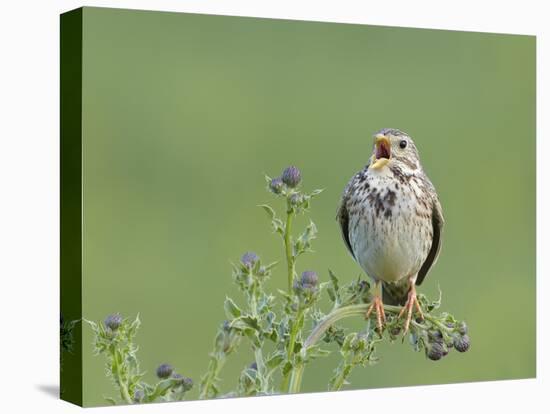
x=382 y=153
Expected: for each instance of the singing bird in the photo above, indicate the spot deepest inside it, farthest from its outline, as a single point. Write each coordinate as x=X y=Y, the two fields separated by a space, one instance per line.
x=392 y=222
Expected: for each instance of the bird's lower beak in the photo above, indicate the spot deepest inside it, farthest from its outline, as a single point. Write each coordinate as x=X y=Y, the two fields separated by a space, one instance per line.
x=382 y=152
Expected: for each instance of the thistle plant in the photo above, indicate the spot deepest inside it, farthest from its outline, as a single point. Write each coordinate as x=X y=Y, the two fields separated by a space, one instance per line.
x=288 y=330
x=115 y=339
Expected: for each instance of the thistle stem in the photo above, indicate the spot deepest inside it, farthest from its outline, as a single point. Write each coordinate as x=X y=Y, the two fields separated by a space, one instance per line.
x=124 y=393
x=341 y=379
x=258 y=354
x=214 y=367
x=320 y=329
x=296 y=378
x=296 y=326
x=288 y=247
x=294 y=333
x=338 y=314
x=291 y=270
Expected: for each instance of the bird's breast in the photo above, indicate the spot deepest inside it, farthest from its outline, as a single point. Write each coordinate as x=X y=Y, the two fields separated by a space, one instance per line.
x=390 y=230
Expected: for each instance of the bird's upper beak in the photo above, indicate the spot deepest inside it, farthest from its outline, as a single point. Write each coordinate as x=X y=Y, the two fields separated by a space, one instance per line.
x=382 y=152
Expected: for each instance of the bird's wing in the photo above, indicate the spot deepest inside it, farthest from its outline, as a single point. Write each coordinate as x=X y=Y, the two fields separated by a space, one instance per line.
x=437 y=224
x=342 y=215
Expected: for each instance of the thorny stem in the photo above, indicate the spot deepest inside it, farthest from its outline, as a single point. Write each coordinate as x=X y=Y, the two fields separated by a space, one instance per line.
x=290 y=280
x=215 y=366
x=294 y=332
x=290 y=351
x=258 y=354
x=291 y=265
x=284 y=384
x=288 y=247
x=341 y=379
x=296 y=378
x=261 y=367
x=124 y=393
x=341 y=313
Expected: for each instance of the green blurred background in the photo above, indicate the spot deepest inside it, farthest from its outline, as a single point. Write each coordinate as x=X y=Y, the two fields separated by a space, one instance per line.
x=182 y=116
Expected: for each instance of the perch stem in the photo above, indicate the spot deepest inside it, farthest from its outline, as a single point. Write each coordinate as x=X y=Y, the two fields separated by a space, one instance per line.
x=320 y=329
x=338 y=314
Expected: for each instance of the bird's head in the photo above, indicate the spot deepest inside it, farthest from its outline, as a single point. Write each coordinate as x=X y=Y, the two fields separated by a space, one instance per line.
x=394 y=147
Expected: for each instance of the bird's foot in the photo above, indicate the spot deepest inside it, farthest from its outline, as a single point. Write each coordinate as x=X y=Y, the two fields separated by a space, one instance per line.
x=412 y=302
x=378 y=307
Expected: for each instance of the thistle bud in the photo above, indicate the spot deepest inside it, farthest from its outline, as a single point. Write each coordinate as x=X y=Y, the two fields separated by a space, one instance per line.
x=309 y=279
x=164 y=371
x=113 y=321
x=185 y=382
x=435 y=336
x=138 y=395
x=291 y=176
x=253 y=366
x=461 y=343
x=306 y=288
x=276 y=185
x=435 y=351
x=226 y=326
x=249 y=259
x=462 y=328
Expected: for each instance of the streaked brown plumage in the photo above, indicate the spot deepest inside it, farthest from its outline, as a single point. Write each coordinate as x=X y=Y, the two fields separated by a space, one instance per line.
x=391 y=221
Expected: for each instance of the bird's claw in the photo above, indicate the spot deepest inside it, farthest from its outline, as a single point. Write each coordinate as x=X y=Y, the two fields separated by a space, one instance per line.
x=378 y=307
x=412 y=301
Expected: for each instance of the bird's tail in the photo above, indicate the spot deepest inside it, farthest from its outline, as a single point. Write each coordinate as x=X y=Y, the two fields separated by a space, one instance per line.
x=395 y=293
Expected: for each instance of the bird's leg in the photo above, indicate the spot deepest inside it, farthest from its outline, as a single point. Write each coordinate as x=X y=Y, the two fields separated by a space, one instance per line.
x=378 y=307
x=412 y=301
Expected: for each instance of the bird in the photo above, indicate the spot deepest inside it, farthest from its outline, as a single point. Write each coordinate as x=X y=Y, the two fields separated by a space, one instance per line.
x=391 y=221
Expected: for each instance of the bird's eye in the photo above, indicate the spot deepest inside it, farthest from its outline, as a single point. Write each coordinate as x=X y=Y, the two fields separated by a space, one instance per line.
x=403 y=144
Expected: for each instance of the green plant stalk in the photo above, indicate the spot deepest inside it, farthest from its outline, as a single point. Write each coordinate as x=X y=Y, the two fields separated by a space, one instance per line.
x=288 y=247
x=291 y=270
x=319 y=330
x=124 y=393
x=285 y=382
x=258 y=354
x=290 y=351
x=296 y=378
x=214 y=367
x=342 y=377
x=294 y=333
x=341 y=313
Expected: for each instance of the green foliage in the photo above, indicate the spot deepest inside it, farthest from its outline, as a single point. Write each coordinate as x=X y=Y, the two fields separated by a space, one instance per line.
x=276 y=328
x=115 y=339
x=66 y=338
